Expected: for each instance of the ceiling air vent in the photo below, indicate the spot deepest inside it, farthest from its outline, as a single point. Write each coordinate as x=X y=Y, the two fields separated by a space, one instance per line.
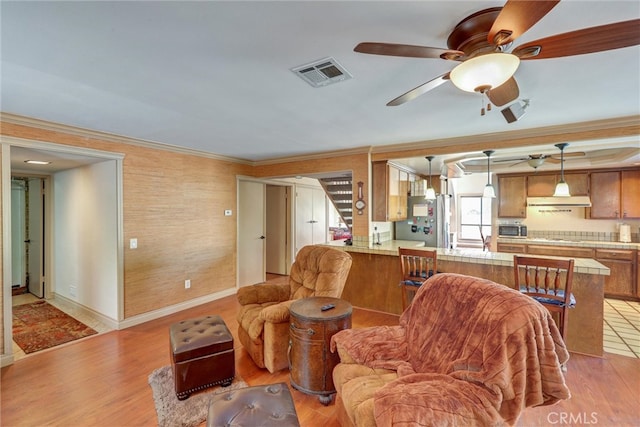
x=322 y=72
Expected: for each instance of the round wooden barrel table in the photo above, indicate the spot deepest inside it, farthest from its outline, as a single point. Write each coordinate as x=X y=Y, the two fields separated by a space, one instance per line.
x=311 y=362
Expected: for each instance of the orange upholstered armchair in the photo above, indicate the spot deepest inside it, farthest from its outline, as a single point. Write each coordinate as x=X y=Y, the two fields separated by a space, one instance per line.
x=263 y=319
x=467 y=351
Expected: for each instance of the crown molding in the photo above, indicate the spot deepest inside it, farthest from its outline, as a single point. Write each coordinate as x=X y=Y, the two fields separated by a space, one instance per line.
x=110 y=137
x=314 y=156
x=595 y=129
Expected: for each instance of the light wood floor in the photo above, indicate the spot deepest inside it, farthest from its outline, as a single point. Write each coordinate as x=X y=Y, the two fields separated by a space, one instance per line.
x=102 y=380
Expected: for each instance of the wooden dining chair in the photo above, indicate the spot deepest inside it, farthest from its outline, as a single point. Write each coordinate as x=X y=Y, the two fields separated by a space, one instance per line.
x=548 y=281
x=416 y=266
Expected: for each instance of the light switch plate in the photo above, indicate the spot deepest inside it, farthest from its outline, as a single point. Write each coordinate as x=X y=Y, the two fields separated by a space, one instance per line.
x=133 y=243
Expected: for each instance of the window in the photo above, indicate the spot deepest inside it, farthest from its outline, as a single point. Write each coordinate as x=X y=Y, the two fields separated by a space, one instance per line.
x=475 y=212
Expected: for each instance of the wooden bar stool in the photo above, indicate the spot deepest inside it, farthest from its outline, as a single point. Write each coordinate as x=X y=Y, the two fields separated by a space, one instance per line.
x=416 y=266
x=548 y=281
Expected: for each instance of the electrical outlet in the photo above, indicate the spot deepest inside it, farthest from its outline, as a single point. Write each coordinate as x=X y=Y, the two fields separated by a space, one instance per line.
x=187 y=284
x=73 y=291
x=228 y=212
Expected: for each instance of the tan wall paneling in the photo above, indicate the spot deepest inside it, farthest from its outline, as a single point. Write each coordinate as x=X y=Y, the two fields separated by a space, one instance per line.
x=357 y=163
x=1 y=270
x=174 y=205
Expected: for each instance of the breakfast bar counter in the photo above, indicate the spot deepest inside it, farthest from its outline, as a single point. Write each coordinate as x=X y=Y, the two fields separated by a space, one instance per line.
x=373 y=283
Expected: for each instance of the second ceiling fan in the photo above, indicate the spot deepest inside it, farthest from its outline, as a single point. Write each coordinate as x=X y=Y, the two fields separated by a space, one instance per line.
x=481 y=41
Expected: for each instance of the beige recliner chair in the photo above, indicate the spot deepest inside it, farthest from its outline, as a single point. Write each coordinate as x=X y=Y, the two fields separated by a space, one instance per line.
x=263 y=319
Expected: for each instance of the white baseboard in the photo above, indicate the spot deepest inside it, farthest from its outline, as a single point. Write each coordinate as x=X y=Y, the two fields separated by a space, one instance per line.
x=165 y=311
x=6 y=360
x=106 y=320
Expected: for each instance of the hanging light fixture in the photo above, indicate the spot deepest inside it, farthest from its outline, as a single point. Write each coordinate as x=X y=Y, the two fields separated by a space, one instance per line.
x=562 y=188
x=484 y=72
x=489 y=192
x=430 y=194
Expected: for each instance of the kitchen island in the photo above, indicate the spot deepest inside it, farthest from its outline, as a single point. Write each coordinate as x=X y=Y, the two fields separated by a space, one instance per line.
x=373 y=283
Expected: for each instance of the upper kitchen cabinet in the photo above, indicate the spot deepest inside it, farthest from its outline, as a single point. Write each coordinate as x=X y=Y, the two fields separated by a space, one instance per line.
x=544 y=185
x=512 y=196
x=630 y=190
x=615 y=194
x=390 y=192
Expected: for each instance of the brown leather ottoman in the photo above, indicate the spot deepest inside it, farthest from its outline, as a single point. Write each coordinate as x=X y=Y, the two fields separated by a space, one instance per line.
x=201 y=354
x=264 y=405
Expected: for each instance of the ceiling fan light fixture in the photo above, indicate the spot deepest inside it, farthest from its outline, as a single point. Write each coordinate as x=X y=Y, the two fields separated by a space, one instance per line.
x=490 y=70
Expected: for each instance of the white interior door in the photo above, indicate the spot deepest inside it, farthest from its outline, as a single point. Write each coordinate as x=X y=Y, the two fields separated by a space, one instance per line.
x=276 y=229
x=251 y=233
x=35 y=237
x=319 y=230
x=304 y=217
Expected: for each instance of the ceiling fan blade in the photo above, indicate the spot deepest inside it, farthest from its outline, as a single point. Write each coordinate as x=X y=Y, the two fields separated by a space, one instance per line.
x=505 y=93
x=552 y=160
x=574 y=154
x=518 y=163
x=579 y=42
x=417 y=91
x=406 y=50
x=516 y=18
x=520 y=159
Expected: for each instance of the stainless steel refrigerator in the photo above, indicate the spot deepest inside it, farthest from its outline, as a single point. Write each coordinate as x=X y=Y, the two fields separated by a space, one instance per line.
x=427 y=221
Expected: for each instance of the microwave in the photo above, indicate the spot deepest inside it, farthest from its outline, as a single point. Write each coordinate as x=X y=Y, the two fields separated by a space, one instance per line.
x=514 y=230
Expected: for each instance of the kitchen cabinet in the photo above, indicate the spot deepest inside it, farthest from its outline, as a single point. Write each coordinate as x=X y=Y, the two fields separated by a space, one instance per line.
x=615 y=194
x=605 y=195
x=390 y=192
x=512 y=196
x=562 y=251
x=630 y=189
x=622 y=280
x=544 y=185
x=512 y=248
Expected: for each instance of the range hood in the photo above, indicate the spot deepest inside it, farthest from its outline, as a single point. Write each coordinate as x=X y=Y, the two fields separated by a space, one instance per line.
x=574 y=201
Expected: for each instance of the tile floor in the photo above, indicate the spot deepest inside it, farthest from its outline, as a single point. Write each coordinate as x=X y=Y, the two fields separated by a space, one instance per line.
x=622 y=327
x=18 y=353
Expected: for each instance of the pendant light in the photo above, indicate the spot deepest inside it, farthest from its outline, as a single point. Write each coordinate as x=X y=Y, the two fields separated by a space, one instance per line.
x=489 y=192
x=562 y=188
x=430 y=193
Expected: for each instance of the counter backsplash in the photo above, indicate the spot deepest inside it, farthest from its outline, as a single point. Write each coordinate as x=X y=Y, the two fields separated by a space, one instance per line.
x=580 y=235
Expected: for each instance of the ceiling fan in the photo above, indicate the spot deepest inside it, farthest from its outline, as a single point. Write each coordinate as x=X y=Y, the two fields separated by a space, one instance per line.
x=537 y=160
x=481 y=41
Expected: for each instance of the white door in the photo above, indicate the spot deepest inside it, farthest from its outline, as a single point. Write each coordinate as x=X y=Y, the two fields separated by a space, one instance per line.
x=251 y=233
x=277 y=230
x=320 y=230
x=34 y=238
x=304 y=217
x=311 y=216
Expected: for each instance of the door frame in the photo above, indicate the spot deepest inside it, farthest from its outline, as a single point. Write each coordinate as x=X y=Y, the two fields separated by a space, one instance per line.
x=290 y=225
x=5 y=180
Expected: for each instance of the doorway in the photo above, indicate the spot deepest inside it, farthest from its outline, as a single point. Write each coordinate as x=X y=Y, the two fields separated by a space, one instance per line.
x=28 y=247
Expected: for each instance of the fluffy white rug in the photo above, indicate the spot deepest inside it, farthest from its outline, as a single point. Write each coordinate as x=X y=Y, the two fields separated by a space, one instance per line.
x=182 y=413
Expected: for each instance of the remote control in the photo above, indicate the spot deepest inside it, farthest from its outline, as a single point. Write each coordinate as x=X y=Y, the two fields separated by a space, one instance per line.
x=327 y=307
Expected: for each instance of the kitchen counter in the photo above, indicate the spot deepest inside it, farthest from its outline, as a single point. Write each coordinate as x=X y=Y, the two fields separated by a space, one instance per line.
x=373 y=283
x=468 y=255
x=568 y=242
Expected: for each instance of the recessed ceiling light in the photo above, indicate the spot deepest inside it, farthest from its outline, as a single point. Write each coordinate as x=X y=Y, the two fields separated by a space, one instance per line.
x=37 y=162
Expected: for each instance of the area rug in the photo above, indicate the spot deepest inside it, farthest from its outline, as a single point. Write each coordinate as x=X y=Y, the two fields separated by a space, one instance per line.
x=182 y=413
x=39 y=325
